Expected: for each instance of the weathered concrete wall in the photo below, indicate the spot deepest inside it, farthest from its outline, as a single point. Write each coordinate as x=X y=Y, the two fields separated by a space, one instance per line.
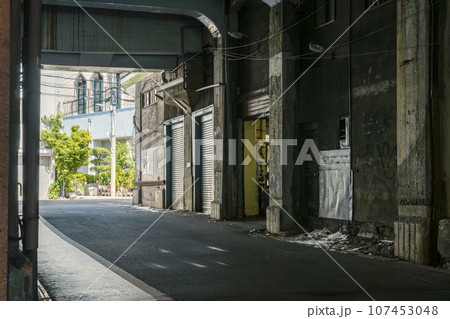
x=152 y=148
x=153 y=196
x=254 y=25
x=323 y=98
x=414 y=156
x=444 y=241
x=282 y=73
x=374 y=115
x=441 y=102
x=440 y=117
x=218 y=210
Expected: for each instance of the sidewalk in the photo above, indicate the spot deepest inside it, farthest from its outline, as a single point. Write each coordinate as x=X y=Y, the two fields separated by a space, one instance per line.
x=66 y=272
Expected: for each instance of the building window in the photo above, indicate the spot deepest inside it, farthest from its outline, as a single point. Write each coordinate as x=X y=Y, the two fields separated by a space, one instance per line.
x=325 y=12
x=368 y=3
x=98 y=92
x=148 y=98
x=344 y=132
x=81 y=95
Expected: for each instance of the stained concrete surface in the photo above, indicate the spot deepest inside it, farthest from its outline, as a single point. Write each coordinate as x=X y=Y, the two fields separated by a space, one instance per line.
x=190 y=257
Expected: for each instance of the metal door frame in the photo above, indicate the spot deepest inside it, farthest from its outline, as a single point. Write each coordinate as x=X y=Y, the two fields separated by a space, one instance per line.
x=167 y=143
x=196 y=168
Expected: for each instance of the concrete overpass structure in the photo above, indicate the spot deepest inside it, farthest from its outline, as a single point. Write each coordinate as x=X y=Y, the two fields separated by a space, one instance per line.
x=157 y=33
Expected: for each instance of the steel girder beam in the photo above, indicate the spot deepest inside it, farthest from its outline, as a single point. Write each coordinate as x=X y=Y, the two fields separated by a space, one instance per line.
x=71 y=37
x=70 y=30
x=109 y=60
x=208 y=12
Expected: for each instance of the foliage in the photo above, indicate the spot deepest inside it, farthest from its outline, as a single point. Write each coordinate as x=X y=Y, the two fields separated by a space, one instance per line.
x=125 y=166
x=70 y=152
x=104 y=178
x=102 y=159
x=91 y=179
x=124 y=156
x=124 y=179
x=79 y=181
x=54 y=190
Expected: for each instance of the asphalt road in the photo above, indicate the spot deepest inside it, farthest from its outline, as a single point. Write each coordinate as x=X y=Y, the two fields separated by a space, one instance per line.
x=190 y=257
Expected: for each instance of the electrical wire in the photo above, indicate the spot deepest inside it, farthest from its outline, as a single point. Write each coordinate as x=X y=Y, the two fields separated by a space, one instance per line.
x=302 y=56
x=278 y=33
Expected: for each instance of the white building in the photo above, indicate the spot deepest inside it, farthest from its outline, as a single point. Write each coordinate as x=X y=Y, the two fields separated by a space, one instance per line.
x=90 y=100
x=84 y=97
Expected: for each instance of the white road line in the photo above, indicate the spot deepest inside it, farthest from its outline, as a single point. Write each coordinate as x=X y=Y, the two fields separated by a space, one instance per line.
x=222 y=264
x=197 y=265
x=217 y=248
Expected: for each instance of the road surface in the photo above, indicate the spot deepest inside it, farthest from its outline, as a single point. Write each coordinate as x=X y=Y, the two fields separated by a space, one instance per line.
x=191 y=257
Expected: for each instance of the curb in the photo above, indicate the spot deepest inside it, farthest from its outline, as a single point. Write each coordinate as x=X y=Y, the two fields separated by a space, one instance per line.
x=43 y=295
x=155 y=293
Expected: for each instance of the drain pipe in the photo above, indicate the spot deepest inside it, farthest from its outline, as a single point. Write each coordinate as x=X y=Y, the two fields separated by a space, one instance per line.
x=31 y=55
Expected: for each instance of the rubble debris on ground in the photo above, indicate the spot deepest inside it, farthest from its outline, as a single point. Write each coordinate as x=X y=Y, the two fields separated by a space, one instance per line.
x=363 y=243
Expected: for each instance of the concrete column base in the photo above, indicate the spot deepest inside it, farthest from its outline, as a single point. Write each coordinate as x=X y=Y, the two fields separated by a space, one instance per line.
x=412 y=233
x=217 y=212
x=136 y=195
x=444 y=241
x=20 y=279
x=277 y=221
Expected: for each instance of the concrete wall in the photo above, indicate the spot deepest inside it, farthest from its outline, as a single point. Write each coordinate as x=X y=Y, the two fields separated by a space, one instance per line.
x=345 y=83
x=254 y=25
x=322 y=100
x=374 y=115
x=101 y=124
x=46 y=173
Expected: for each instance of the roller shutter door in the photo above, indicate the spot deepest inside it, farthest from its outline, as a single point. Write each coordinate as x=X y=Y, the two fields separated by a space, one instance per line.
x=177 y=165
x=207 y=162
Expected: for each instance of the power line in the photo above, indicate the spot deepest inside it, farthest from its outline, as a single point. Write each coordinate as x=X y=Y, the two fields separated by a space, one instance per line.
x=278 y=33
x=318 y=58
x=301 y=56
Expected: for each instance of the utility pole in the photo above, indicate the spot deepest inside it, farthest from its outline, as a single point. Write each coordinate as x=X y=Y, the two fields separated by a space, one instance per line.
x=91 y=145
x=115 y=96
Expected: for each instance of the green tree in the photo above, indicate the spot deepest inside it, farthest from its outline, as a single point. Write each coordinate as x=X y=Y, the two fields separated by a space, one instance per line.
x=102 y=160
x=124 y=166
x=70 y=152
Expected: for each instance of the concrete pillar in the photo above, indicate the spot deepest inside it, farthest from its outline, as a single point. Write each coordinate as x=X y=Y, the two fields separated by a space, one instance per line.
x=218 y=211
x=414 y=157
x=137 y=145
x=441 y=96
x=5 y=86
x=282 y=73
x=15 y=268
x=31 y=61
x=188 y=176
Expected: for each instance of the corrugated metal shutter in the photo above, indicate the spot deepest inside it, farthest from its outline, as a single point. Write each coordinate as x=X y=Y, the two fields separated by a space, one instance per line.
x=207 y=162
x=177 y=165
